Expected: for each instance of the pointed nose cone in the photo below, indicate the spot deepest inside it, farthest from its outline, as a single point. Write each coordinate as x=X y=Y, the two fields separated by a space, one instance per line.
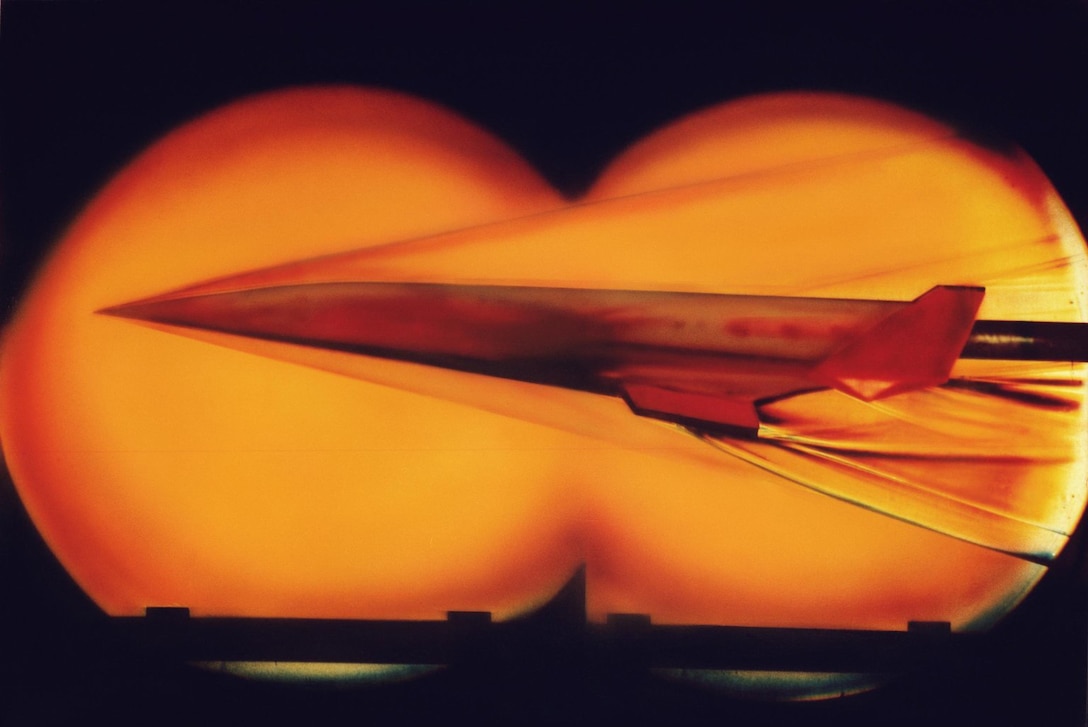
x=339 y=316
x=238 y=313
x=429 y=323
x=177 y=311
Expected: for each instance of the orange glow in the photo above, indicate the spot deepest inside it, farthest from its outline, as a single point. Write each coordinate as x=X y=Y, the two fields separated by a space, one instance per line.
x=166 y=471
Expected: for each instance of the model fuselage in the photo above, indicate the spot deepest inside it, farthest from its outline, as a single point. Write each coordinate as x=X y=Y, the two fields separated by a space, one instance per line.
x=697 y=359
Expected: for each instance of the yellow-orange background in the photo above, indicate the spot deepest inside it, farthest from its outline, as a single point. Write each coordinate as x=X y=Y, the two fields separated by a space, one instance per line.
x=163 y=470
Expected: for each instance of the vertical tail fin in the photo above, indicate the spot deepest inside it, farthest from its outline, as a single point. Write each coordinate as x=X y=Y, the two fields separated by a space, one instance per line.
x=913 y=348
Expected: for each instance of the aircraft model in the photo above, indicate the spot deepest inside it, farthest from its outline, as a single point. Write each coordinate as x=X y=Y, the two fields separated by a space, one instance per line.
x=703 y=361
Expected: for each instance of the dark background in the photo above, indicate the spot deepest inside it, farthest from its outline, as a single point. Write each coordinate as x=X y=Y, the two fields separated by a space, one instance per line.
x=86 y=85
